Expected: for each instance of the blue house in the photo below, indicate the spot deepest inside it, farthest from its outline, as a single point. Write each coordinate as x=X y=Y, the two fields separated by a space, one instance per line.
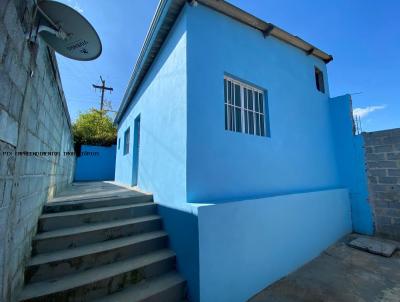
x=228 y=121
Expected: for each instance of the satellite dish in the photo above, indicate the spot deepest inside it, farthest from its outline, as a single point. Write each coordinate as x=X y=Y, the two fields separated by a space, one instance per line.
x=68 y=32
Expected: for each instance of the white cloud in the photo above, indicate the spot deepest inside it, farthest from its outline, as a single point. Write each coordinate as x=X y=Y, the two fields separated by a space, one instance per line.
x=363 y=112
x=78 y=8
x=74 y=4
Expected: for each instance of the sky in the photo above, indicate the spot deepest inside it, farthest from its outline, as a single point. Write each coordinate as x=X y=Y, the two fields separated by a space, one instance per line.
x=362 y=35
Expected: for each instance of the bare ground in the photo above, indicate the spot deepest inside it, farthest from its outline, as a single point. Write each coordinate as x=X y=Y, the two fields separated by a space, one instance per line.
x=339 y=274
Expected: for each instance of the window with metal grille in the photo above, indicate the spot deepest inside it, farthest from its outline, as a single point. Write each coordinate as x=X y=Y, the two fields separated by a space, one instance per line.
x=244 y=108
x=127 y=136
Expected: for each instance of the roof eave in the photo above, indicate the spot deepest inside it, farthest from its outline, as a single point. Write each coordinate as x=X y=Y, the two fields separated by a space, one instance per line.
x=265 y=27
x=163 y=20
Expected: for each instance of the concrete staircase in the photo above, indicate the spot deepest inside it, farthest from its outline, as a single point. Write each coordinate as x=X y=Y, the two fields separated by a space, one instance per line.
x=104 y=249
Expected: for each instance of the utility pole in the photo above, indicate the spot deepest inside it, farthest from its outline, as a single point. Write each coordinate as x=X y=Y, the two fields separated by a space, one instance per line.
x=103 y=88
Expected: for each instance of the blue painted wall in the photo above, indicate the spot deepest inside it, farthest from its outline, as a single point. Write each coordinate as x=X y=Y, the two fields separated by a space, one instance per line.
x=161 y=104
x=97 y=167
x=223 y=165
x=247 y=245
x=350 y=160
x=186 y=155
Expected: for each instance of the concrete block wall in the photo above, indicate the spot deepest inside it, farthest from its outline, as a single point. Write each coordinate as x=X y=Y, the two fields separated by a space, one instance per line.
x=382 y=151
x=33 y=118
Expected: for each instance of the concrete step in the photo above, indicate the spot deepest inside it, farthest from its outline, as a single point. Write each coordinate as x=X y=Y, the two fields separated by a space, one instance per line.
x=99 y=282
x=70 y=205
x=67 y=238
x=58 y=220
x=64 y=262
x=169 y=287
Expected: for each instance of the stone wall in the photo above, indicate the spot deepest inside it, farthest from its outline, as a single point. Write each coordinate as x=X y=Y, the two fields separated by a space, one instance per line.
x=33 y=118
x=382 y=150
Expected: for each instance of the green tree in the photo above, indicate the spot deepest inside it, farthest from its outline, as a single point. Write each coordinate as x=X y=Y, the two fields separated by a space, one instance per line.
x=94 y=127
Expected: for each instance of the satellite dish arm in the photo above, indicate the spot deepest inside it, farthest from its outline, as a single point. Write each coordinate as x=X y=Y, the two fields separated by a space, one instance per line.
x=56 y=30
x=45 y=16
x=58 y=33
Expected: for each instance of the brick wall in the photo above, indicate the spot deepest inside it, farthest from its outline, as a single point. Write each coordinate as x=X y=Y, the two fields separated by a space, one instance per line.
x=33 y=117
x=382 y=150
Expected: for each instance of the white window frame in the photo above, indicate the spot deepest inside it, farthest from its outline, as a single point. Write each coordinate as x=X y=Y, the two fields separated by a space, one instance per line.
x=260 y=114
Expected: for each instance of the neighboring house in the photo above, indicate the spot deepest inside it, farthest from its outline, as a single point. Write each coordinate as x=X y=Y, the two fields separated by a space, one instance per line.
x=228 y=121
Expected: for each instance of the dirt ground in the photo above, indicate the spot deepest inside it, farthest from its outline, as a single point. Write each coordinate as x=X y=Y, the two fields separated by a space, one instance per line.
x=339 y=274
